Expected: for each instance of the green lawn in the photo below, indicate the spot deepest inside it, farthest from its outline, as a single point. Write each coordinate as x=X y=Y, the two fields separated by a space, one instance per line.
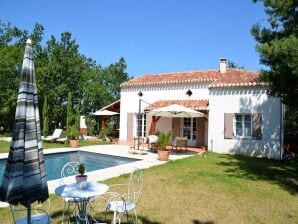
x=212 y=189
x=4 y=146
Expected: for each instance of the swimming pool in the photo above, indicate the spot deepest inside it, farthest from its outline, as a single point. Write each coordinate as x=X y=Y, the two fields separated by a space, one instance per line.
x=93 y=161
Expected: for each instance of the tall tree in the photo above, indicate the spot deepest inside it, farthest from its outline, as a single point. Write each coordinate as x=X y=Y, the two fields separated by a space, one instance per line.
x=12 y=45
x=45 y=117
x=278 y=48
x=69 y=111
x=232 y=64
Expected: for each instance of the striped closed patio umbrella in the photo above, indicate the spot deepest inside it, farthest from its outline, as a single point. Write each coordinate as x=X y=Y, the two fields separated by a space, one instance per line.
x=24 y=180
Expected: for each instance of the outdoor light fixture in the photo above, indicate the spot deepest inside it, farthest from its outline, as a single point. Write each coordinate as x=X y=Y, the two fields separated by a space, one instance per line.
x=140 y=94
x=189 y=92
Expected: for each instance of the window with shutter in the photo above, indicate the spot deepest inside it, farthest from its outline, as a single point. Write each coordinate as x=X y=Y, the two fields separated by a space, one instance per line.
x=130 y=126
x=248 y=126
x=228 y=125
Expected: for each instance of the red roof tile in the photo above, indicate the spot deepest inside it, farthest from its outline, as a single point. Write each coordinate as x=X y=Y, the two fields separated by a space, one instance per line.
x=232 y=77
x=193 y=104
x=238 y=77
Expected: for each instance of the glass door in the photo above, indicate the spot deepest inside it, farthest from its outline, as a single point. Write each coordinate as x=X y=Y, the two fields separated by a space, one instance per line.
x=190 y=130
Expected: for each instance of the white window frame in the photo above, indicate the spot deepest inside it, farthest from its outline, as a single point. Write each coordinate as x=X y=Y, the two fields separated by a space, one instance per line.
x=143 y=125
x=242 y=126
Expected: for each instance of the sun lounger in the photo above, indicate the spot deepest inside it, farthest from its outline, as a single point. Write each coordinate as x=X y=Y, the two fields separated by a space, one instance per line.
x=61 y=140
x=56 y=134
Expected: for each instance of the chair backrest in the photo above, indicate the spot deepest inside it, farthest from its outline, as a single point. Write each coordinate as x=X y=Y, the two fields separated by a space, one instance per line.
x=57 y=133
x=69 y=169
x=19 y=212
x=180 y=141
x=152 y=139
x=135 y=185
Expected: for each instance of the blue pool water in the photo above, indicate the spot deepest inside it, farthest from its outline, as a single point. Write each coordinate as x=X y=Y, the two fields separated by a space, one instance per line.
x=93 y=161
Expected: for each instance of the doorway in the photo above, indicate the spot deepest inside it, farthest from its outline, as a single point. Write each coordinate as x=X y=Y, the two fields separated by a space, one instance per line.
x=190 y=131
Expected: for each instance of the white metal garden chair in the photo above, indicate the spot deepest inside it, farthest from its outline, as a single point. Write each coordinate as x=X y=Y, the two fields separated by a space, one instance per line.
x=68 y=170
x=97 y=208
x=39 y=214
x=126 y=202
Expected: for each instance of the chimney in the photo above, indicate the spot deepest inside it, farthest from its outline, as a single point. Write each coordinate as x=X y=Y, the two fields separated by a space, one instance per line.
x=222 y=65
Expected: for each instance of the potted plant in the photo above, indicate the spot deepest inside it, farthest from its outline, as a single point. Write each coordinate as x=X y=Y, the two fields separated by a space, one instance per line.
x=81 y=176
x=104 y=133
x=162 y=142
x=72 y=123
x=73 y=136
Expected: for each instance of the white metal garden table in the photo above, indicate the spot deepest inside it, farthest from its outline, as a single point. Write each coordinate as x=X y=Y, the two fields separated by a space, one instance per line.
x=82 y=195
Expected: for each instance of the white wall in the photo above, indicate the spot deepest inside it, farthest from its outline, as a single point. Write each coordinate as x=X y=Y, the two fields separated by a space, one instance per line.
x=243 y=100
x=129 y=101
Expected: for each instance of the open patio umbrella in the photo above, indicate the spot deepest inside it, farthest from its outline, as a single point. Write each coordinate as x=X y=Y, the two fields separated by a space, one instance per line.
x=24 y=180
x=175 y=110
x=104 y=114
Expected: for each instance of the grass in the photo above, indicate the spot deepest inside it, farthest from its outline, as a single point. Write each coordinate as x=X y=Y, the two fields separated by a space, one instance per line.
x=212 y=189
x=4 y=146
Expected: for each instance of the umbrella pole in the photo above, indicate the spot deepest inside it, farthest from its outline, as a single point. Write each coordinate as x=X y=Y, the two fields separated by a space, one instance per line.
x=29 y=213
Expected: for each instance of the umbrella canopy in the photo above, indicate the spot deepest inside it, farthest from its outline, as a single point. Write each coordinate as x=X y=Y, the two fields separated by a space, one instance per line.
x=24 y=180
x=104 y=113
x=175 y=110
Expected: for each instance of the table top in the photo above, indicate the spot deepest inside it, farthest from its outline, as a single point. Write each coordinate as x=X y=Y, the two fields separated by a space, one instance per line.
x=72 y=190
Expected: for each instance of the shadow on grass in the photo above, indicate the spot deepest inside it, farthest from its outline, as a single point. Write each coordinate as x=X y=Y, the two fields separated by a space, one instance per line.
x=141 y=220
x=202 y=222
x=108 y=218
x=56 y=214
x=285 y=174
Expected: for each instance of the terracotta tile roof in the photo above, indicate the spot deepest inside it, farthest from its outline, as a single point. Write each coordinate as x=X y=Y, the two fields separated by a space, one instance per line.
x=238 y=77
x=193 y=104
x=232 y=77
x=173 y=78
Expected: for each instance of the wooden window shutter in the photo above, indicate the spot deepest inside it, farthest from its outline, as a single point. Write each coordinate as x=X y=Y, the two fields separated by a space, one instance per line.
x=228 y=126
x=130 y=126
x=148 y=124
x=257 y=126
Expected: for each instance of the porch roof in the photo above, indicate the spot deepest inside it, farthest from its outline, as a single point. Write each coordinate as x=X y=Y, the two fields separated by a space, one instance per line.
x=193 y=104
x=114 y=106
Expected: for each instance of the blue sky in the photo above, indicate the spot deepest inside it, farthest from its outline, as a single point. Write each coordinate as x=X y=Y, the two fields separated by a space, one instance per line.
x=153 y=36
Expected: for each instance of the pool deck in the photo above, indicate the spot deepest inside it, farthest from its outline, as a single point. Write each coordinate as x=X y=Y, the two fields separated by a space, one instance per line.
x=145 y=161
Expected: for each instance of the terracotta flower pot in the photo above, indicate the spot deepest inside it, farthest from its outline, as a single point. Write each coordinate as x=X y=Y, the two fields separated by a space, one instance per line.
x=163 y=155
x=74 y=143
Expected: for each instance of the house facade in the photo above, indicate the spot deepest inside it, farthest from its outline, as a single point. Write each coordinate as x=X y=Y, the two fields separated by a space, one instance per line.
x=239 y=116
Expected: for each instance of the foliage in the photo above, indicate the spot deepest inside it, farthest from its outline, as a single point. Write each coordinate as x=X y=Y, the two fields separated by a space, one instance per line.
x=73 y=122
x=73 y=132
x=232 y=64
x=60 y=68
x=45 y=116
x=291 y=123
x=69 y=114
x=278 y=48
x=104 y=132
x=81 y=169
x=163 y=139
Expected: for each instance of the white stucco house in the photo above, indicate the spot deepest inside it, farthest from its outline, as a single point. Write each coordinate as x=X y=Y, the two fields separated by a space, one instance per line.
x=240 y=117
